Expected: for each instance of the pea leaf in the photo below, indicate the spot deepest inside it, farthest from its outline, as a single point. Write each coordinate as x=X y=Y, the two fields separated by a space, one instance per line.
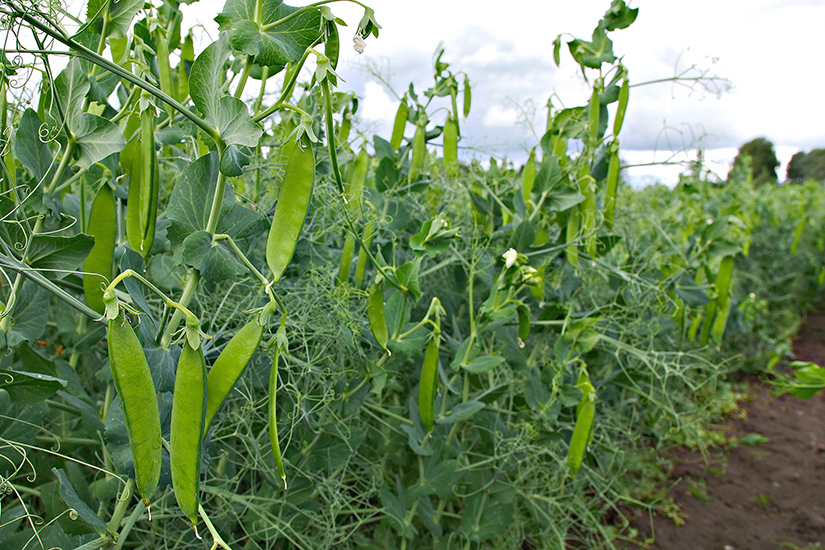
x=32 y=153
x=31 y=313
x=121 y=14
x=73 y=501
x=229 y=115
x=483 y=364
x=97 y=138
x=71 y=87
x=270 y=43
x=29 y=387
x=59 y=253
x=562 y=198
x=462 y=411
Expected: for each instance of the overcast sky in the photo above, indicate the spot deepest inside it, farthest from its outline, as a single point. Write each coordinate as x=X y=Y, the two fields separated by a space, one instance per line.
x=767 y=50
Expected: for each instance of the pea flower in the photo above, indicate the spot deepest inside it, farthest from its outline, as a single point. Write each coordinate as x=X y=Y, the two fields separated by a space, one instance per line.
x=510 y=257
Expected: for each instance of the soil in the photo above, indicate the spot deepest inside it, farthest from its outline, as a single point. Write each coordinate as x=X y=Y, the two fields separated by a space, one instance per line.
x=757 y=497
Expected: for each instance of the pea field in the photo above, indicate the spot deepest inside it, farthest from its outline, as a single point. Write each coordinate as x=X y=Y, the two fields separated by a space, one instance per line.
x=234 y=323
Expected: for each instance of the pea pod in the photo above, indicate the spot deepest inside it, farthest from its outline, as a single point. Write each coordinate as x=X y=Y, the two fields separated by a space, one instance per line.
x=593 y=116
x=572 y=248
x=291 y=209
x=230 y=365
x=723 y=284
x=399 y=125
x=583 y=431
x=375 y=312
x=624 y=95
x=528 y=177
x=98 y=264
x=451 y=147
x=361 y=262
x=429 y=382
x=136 y=392
x=354 y=193
x=612 y=186
x=281 y=344
x=186 y=435
x=468 y=96
x=142 y=206
x=419 y=150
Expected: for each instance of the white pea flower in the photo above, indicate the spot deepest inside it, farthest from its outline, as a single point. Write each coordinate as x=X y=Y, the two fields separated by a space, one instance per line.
x=510 y=257
x=358 y=43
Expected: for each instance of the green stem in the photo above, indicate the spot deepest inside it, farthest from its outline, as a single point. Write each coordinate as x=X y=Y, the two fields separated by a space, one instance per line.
x=192 y=318
x=247 y=68
x=122 y=505
x=216 y=537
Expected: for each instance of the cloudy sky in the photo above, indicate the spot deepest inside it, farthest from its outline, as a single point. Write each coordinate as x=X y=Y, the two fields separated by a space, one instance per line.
x=762 y=55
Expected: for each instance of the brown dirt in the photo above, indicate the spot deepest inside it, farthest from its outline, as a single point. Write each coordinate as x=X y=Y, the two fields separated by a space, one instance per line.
x=760 y=497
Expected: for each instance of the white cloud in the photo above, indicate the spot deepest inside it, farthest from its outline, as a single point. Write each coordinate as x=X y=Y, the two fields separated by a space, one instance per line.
x=500 y=116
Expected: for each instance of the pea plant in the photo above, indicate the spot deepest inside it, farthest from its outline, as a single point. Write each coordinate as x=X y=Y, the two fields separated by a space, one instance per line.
x=228 y=314
x=123 y=156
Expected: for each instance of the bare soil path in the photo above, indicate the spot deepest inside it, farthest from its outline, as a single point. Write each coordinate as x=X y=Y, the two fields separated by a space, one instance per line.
x=756 y=497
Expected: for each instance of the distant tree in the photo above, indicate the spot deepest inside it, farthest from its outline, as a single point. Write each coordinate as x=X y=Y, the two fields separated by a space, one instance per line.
x=763 y=161
x=796 y=168
x=804 y=166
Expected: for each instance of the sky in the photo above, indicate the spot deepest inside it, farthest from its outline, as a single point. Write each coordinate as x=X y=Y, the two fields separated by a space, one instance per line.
x=758 y=59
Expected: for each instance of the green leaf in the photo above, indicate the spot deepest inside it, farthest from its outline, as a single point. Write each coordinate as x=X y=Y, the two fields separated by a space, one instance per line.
x=206 y=79
x=691 y=294
x=562 y=198
x=438 y=480
x=460 y=412
x=269 y=44
x=32 y=153
x=71 y=87
x=407 y=275
x=31 y=313
x=73 y=501
x=752 y=439
x=97 y=138
x=549 y=174
x=619 y=16
x=29 y=387
x=233 y=160
x=483 y=364
x=810 y=378
x=61 y=254
x=235 y=125
x=121 y=13
x=396 y=512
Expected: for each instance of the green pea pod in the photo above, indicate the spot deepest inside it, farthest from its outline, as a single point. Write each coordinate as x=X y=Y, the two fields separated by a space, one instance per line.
x=332 y=44
x=399 y=125
x=98 y=264
x=451 y=147
x=419 y=150
x=798 y=231
x=429 y=382
x=583 y=432
x=229 y=366
x=723 y=286
x=354 y=194
x=186 y=435
x=281 y=344
x=136 y=392
x=593 y=115
x=587 y=214
x=291 y=209
x=624 y=95
x=142 y=206
x=572 y=248
x=523 y=324
x=468 y=96
x=612 y=186
x=528 y=177
x=361 y=263
x=375 y=312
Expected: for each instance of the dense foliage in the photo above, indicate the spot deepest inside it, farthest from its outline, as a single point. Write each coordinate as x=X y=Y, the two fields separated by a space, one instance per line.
x=294 y=336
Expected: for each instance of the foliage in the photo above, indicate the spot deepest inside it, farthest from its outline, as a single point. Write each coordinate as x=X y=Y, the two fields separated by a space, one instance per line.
x=804 y=166
x=763 y=161
x=421 y=353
